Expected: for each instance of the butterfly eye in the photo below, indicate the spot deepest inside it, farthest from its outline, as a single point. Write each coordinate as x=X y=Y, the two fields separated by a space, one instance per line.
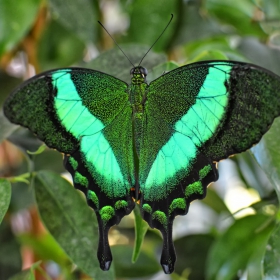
x=139 y=70
x=143 y=71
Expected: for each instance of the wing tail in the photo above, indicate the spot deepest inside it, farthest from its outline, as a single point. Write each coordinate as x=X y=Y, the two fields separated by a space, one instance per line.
x=160 y=213
x=109 y=211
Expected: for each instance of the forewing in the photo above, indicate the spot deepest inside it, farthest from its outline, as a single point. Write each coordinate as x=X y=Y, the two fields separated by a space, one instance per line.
x=253 y=105
x=86 y=115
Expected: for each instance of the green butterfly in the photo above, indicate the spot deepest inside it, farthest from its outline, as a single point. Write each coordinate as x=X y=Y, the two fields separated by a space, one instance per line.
x=154 y=144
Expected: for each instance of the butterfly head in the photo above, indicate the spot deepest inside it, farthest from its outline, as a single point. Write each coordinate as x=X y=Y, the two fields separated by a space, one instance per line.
x=138 y=74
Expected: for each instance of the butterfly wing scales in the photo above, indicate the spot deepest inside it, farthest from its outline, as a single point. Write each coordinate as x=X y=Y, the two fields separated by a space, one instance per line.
x=193 y=110
x=84 y=114
x=194 y=115
x=253 y=105
x=35 y=98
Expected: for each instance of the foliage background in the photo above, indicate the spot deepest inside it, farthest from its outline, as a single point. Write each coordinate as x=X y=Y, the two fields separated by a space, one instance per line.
x=232 y=234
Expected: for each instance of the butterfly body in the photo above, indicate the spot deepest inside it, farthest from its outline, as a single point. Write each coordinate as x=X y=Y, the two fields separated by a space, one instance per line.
x=155 y=144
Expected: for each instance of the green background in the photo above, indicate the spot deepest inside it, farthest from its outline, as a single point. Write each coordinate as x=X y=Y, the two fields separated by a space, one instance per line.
x=215 y=240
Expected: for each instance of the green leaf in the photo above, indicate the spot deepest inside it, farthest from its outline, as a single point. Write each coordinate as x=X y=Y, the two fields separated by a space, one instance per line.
x=254 y=267
x=209 y=55
x=70 y=221
x=146 y=265
x=231 y=252
x=16 y=18
x=24 y=275
x=28 y=274
x=260 y=54
x=238 y=14
x=141 y=228
x=7 y=128
x=147 y=13
x=271 y=10
x=79 y=16
x=267 y=155
x=114 y=63
x=45 y=247
x=195 y=24
x=272 y=256
x=58 y=47
x=10 y=257
x=192 y=251
x=214 y=201
x=5 y=197
x=210 y=49
x=40 y=150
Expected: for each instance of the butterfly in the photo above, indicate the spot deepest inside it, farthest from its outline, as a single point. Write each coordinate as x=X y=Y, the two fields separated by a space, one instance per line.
x=154 y=144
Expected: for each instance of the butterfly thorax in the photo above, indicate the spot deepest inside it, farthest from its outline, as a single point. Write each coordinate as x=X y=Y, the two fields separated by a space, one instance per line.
x=137 y=96
x=137 y=90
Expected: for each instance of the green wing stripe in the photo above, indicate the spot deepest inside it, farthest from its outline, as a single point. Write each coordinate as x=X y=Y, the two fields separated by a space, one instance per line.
x=102 y=164
x=254 y=103
x=73 y=115
x=80 y=122
x=174 y=160
x=202 y=119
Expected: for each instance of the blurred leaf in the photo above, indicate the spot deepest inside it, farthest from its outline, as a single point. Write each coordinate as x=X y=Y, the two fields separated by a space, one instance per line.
x=194 y=24
x=10 y=257
x=24 y=275
x=24 y=139
x=114 y=63
x=272 y=256
x=252 y=174
x=231 y=252
x=254 y=267
x=217 y=48
x=49 y=160
x=269 y=203
x=145 y=265
x=215 y=202
x=58 y=48
x=271 y=10
x=22 y=197
x=153 y=22
x=28 y=274
x=141 y=228
x=260 y=54
x=5 y=197
x=45 y=247
x=209 y=55
x=192 y=251
x=7 y=128
x=16 y=18
x=267 y=155
x=8 y=83
x=40 y=150
x=71 y=222
x=238 y=14
x=78 y=16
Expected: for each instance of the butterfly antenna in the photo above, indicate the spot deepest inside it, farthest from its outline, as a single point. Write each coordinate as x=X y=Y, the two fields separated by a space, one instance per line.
x=115 y=42
x=156 y=39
